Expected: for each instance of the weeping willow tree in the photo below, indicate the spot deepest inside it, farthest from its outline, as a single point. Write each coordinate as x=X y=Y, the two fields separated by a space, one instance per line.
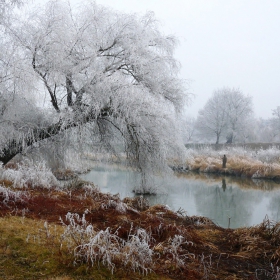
x=106 y=76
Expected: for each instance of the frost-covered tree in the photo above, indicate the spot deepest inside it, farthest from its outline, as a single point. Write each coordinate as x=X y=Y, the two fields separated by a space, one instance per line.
x=276 y=119
x=239 y=109
x=106 y=77
x=263 y=131
x=212 y=119
x=247 y=132
x=275 y=123
x=226 y=113
x=188 y=129
x=7 y=7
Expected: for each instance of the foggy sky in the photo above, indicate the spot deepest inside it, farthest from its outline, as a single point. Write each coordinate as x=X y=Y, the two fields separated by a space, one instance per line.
x=222 y=43
x=232 y=43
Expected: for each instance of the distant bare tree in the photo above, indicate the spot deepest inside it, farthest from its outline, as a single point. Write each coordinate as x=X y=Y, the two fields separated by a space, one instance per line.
x=225 y=114
x=188 y=129
x=276 y=113
x=212 y=119
x=247 y=132
x=275 y=122
x=239 y=108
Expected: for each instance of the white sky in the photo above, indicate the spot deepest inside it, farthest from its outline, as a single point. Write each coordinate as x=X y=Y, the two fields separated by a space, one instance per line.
x=232 y=43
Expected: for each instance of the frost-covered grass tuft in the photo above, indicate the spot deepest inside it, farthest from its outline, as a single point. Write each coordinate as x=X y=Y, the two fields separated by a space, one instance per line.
x=8 y=195
x=103 y=246
x=30 y=174
x=174 y=249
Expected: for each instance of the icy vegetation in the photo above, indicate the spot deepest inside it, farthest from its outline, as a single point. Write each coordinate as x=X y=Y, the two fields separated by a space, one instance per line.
x=136 y=252
x=271 y=155
x=88 y=78
x=89 y=231
x=29 y=174
x=259 y=163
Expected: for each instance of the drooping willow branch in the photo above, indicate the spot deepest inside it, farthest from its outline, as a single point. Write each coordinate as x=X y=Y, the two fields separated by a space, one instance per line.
x=16 y=146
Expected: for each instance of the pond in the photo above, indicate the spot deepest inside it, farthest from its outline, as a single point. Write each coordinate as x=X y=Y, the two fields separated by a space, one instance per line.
x=227 y=201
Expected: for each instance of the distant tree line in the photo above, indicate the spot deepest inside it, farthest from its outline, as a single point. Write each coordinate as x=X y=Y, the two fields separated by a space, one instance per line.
x=228 y=117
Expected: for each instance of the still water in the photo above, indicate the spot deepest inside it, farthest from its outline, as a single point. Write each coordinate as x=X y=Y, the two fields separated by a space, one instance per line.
x=242 y=202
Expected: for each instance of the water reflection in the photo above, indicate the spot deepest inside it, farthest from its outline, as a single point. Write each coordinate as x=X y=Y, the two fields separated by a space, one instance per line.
x=243 y=202
x=224 y=185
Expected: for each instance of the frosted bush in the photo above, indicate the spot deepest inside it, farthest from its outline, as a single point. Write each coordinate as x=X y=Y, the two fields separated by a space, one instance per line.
x=174 y=249
x=74 y=161
x=30 y=174
x=9 y=195
x=118 y=205
x=90 y=246
x=136 y=252
x=103 y=247
x=271 y=155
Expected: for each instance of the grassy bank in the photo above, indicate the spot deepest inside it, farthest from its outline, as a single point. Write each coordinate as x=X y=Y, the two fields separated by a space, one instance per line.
x=250 y=163
x=77 y=232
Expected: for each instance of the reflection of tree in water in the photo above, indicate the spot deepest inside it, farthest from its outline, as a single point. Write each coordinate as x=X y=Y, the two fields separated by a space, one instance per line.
x=221 y=202
x=244 y=183
x=119 y=180
x=224 y=185
x=215 y=197
x=274 y=206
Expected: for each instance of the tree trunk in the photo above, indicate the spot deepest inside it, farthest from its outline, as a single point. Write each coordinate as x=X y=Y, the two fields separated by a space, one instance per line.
x=217 y=139
x=230 y=138
x=15 y=146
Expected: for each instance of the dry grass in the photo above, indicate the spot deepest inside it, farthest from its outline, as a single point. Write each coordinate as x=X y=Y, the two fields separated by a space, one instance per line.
x=237 y=165
x=182 y=247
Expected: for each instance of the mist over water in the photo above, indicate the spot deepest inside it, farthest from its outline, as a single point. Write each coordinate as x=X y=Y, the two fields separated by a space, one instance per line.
x=228 y=201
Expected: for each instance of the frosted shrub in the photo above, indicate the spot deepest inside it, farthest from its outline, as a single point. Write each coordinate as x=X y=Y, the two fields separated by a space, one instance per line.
x=77 y=230
x=31 y=174
x=271 y=155
x=73 y=161
x=174 y=250
x=118 y=205
x=9 y=195
x=136 y=252
x=91 y=247
x=103 y=247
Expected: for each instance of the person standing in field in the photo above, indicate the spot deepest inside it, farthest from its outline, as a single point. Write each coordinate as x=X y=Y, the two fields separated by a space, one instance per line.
x=224 y=161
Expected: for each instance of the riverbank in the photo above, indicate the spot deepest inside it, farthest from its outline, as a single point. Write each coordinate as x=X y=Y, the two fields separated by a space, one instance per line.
x=76 y=232
x=247 y=163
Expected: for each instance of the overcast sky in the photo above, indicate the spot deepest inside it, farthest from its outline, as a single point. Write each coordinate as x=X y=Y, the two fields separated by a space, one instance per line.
x=232 y=43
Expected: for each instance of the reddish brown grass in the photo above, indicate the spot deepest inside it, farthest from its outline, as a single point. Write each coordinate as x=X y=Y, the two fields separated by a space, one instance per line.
x=210 y=253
